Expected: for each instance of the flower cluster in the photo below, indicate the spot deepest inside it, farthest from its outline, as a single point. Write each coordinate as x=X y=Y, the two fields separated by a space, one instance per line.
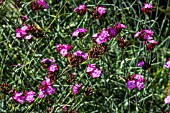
x=122 y=43
x=107 y=34
x=96 y=12
x=45 y=88
x=167 y=64
x=63 y=49
x=24 y=18
x=1 y=2
x=146 y=36
x=28 y=32
x=20 y=97
x=93 y=71
x=81 y=9
x=52 y=68
x=167 y=100
x=77 y=57
x=23 y=32
x=38 y=4
x=79 y=32
x=76 y=88
x=147 y=8
x=135 y=81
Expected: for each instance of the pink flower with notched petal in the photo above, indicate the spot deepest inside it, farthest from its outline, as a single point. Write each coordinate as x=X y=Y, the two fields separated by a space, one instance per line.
x=29 y=96
x=167 y=100
x=101 y=10
x=28 y=37
x=147 y=8
x=80 y=53
x=53 y=68
x=95 y=73
x=79 y=32
x=139 y=85
x=46 y=88
x=131 y=84
x=81 y=9
x=76 y=88
x=141 y=63
x=19 y=97
x=63 y=49
x=90 y=67
x=102 y=36
x=42 y=3
x=20 y=33
x=42 y=93
x=25 y=28
x=167 y=64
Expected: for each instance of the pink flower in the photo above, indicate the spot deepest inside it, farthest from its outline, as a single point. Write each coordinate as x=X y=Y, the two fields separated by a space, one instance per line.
x=42 y=3
x=101 y=37
x=53 y=68
x=93 y=71
x=90 y=67
x=19 y=97
x=144 y=35
x=63 y=49
x=23 y=32
x=139 y=85
x=80 y=10
x=167 y=64
x=76 y=88
x=141 y=63
x=147 y=8
x=81 y=54
x=30 y=96
x=96 y=73
x=131 y=84
x=46 y=88
x=20 y=33
x=79 y=32
x=167 y=100
x=112 y=32
x=135 y=81
x=101 y=10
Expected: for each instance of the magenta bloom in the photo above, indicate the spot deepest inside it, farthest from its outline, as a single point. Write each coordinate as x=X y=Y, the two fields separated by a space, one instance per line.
x=42 y=3
x=141 y=63
x=76 y=88
x=147 y=8
x=144 y=35
x=131 y=84
x=63 y=49
x=167 y=64
x=167 y=100
x=112 y=32
x=93 y=71
x=80 y=10
x=101 y=10
x=46 y=88
x=79 y=32
x=23 y=32
x=135 y=81
x=19 y=97
x=101 y=37
x=53 y=68
x=81 y=54
x=29 y=96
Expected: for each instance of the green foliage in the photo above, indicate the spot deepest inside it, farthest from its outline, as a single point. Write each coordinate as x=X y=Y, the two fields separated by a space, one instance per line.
x=109 y=92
